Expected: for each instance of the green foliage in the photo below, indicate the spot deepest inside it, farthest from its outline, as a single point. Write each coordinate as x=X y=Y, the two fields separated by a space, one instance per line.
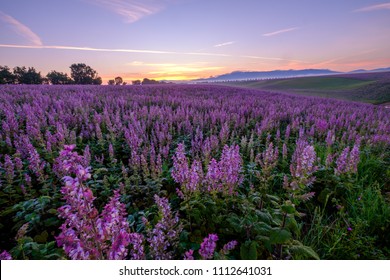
x=83 y=74
x=58 y=78
x=300 y=251
x=6 y=76
x=34 y=249
x=27 y=76
x=248 y=250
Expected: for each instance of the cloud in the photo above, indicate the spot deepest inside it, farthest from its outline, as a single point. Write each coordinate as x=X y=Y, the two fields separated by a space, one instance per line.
x=132 y=10
x=75 y=48
x=224 y=44
x=270 y=58
x=84 y=49
x=280 y=31
x=21 y=29
x=384 y=6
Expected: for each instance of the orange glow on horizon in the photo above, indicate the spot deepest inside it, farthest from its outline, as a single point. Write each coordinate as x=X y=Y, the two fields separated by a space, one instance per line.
x=158 y=74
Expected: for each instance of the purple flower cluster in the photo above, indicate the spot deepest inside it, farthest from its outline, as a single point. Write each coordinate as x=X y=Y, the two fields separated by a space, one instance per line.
x=68 y=162
x=222 y=176
x=165 y=234
x=230 y=166
x=180 y=169
x=36 y=164
x=137 y=252
x=207 y=247
x=85 y=234
x=303 y=165
x=5 y=256
x=229 y=246
x=113 y=228
x=9 y=169
x=268 y=160
x=348 y=160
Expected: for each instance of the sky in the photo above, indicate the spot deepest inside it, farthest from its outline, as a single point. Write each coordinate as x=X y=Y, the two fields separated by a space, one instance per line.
x=189 y=39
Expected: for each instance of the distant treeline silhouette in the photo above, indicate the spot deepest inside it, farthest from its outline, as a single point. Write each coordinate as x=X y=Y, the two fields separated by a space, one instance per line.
x=80 y=74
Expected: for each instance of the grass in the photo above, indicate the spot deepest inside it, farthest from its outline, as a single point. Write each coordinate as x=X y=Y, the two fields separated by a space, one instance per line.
x=371 y=88
x=316 y=83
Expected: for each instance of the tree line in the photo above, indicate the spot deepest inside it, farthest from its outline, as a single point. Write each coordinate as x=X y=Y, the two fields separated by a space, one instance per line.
x=80 y=74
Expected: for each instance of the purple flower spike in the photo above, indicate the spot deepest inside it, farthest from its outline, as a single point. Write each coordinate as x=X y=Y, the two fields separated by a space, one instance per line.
x=229 y=246
x=208 y=246
x=189 y=255
x=5 y=256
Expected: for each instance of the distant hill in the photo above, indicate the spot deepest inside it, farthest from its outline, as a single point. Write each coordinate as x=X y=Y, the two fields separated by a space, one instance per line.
x=370 y=71
x=369 y=86
x=381 y=70
x=275 y=74
x=279 y=74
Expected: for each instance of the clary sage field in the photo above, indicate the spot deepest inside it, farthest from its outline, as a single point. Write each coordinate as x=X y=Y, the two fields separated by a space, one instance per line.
x=190 y=172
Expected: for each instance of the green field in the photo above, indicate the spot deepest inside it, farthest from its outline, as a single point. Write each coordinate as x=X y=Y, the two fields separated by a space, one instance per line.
x=368 y=87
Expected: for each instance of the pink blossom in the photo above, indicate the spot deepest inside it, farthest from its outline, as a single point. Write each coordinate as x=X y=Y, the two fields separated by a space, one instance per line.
x=207 y=247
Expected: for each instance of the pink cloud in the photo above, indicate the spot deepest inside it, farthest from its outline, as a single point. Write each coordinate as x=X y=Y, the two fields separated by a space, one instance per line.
x=132 y=10
x=21 y=29
x=384 y=6
x=280 y=31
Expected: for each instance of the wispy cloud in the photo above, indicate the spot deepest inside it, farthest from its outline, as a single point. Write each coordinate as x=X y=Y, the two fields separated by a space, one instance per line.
x=271 y=58
x=280 y=31
x=85 y=49
x=76 y=48
x=132 y=10
x=384 y=6
x=21 y=29
x=224 y=44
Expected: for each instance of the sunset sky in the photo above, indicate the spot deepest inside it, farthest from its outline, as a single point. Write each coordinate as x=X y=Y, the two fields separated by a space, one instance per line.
x=187 y=39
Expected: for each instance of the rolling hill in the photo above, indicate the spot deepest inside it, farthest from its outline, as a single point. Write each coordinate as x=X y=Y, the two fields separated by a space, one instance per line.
x=369 y=87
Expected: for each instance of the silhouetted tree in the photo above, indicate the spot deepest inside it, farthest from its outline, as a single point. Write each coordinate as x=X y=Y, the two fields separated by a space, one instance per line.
x=97 y=81
x=136 y=82
x=45 y=81
x=118 y=81
x=58 y=78
x=6 y=76
x=111 y=82
x=84 y=75
x=147 y=81
x=27 y=76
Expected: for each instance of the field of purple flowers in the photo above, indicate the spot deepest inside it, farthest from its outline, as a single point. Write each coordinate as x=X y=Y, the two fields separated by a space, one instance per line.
x=190 y=172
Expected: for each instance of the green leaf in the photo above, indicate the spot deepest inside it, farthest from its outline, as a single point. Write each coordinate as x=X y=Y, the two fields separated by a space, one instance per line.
x=52 y=211
x=263 y=216
x=289 y=209
x=292 y=225
x=273 y=197
x=279 y=236
x=41 y=238
x=52 y=222
x=262 y=228
x=248 y=250
x=304 y=251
